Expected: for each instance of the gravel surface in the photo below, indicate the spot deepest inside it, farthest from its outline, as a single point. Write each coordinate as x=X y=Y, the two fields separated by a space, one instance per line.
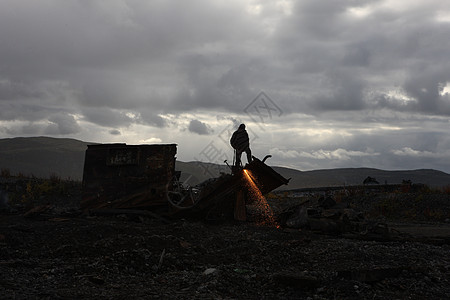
x=55 y=252
x=66 y=257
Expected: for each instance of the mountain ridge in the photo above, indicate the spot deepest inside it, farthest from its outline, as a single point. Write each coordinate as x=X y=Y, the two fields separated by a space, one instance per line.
x=43 y=156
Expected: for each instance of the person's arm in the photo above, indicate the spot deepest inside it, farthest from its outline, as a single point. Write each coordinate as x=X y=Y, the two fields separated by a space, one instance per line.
x=247 y=138
x=233 y=140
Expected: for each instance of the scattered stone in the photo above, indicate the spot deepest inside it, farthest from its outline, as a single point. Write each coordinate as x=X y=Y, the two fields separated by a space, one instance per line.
x=210 y=271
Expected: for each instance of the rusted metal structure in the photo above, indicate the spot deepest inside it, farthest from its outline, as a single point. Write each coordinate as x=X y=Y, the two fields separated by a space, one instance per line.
x=265 y=178
x=127 y=176
x=229 y=194
x=120 y=176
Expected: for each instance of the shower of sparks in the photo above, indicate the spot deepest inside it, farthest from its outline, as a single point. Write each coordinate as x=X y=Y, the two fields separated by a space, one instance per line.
x=260 y=201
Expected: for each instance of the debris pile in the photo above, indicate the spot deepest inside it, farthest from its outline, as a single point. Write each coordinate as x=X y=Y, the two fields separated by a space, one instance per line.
x=120 y=176
x=327 y=217
x=227 y=196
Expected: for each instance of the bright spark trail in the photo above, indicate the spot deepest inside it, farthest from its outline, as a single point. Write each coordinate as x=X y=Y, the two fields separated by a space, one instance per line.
x=260 y=201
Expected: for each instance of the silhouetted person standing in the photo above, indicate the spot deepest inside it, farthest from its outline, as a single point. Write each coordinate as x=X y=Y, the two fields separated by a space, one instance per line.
x=241 y=143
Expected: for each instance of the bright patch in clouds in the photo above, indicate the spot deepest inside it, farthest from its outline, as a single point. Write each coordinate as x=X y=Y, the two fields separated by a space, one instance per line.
x=254 y=8
x=443 y=16
x=399 y=95
x=151 y=141
x=337 y=154
x=406 y=151
x=445 y=89
x=359 y=12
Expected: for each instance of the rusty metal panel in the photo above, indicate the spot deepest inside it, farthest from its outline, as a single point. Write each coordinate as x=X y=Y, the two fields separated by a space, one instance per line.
x=127 y=176
x=122 y=156
x=266 y=178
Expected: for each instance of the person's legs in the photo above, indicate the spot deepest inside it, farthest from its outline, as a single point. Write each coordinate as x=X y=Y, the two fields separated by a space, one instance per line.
x=238 y=158
x=249 y=155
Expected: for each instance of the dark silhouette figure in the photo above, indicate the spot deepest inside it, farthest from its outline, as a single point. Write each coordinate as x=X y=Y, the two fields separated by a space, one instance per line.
x=241 y=143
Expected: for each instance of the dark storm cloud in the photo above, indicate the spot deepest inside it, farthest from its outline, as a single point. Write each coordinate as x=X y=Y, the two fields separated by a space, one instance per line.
x=426 y=86
x=223 y=82
x=114 y=132
x=340 y=62
x=10 y=90
x=148 y=117
x=356 y=56
x=199 y=127
x=347 y=93
x=57 y=124
x=66 y=66
x=122 y=55
x=179 y=57
x=32 y=101
x=107 y=117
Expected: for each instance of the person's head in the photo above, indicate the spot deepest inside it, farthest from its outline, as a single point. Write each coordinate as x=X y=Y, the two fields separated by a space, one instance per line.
x=242 y=126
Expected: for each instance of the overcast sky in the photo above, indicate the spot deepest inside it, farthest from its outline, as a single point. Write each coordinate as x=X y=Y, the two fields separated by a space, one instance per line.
x=319 y=84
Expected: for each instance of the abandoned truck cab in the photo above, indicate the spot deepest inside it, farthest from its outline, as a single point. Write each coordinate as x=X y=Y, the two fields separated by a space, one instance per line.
x=127 y=176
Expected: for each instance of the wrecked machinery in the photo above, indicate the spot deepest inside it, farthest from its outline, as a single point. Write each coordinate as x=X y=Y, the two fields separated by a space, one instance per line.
x=127 y=176
x=120 y=176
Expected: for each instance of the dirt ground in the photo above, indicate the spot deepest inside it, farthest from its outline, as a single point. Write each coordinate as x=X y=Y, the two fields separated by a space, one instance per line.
x=64 y=256
x=61 y=253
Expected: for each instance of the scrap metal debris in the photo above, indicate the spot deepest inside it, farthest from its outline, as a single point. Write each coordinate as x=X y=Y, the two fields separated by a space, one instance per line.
x=127 y=176
x=120 y=176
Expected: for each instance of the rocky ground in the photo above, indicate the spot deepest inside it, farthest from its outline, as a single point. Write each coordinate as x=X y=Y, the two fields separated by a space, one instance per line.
x=58 y=253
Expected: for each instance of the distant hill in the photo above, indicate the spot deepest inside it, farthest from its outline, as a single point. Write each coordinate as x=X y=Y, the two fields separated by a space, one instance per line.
x=328 y=177
x=42 y=156
x=356 y=176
